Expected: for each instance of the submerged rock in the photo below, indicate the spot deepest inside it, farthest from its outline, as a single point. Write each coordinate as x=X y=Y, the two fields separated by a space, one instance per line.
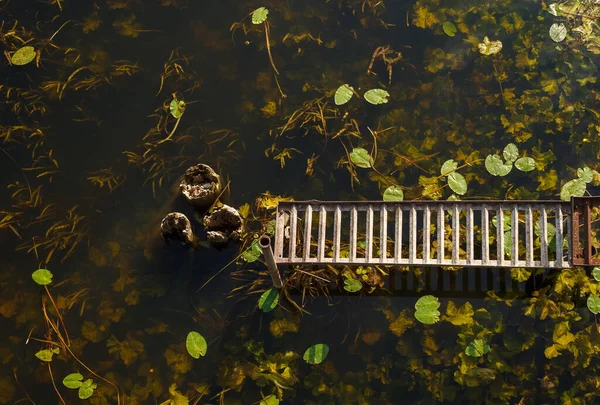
x=200 y=186
x=222 y=225
x=178 y=227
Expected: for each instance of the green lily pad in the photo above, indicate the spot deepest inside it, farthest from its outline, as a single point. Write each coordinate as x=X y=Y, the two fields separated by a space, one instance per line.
x=510 y=153
x=195 y=345
x=46 y=354
x=427 y=303
x=558 y=32
x=42 y=276
x=87 y=389
x=377 y=96
x=268 y=300
x=457 y=183
x=448 y=167
x=477 y=348
x=352 y=285
x=73 y=381
x=177 y=108
x=449 y=28
x=361 y=158
x=23 y=56
x=252 y=253
x=586 y=174
x=270 y=400
x=596 y=273
x=343 y=94
x=572 y=188
x=593 y=304
x=428 y=318
x=393 y=193
x=316 y=354
x=525 y=164
x=496 y=167
x=259 y=15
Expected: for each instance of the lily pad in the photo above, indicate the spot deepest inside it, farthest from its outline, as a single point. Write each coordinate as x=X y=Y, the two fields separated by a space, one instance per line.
x=596 y=273
x=449 y=28
x=352 y=285
x=593 y=304
x=343 y=94
x=377 y=96
x=195 y=345
x=252 y=253
x=46 y=354
x=361 y=158
x=511 y=152
x=42 y=276
x=268 y=300
x=23 y=56
x=488 y=47
x=87 y=389
x=496 y=167
x=270 y=400
x=448 y=167
x=457 y=183
x=586 y=174
x=525 y=164
x=73 y=381
x=558 y=32
x=572 y=188
x=427 y=309
x=177 y=108
x=477 y=348
x=259 y=15
x=393 y=193
x=316 y=354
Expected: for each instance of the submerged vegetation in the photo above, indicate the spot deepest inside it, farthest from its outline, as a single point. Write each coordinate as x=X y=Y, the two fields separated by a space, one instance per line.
x=104 y=106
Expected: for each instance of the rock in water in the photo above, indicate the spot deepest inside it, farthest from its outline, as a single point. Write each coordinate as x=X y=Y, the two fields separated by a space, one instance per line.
x=222 y=225
x=178 y=227
x=200 y=186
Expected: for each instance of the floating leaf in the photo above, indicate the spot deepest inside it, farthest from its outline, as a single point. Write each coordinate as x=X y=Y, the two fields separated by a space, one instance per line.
x=488 y=47
x=477 y=348
x=259 y=15
x=87 y=389
x=177 y=108
x=496 y=167
x=552 y=9
x=73 y=381
x=377 y=96
x=596 y=273
x=558 y=32
x=593 y=304
x=270 y=400
x=586 y=174
x=427 y=309
x=268 y=300
x=42 y=276
x=448 y=167
x=23 y=56
x=393 y=193
x=343 y=94
x=46 y=354
x=361 y=158
x=252 y=253
x=572 y=188
x=457 y=183
x=195 y=344
x=449 y=28
x=316 y=354
x=511 y=152
x=352 y=284
x=525 y=164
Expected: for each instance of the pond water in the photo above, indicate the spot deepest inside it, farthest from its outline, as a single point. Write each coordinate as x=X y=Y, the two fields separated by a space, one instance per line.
x=92 y=157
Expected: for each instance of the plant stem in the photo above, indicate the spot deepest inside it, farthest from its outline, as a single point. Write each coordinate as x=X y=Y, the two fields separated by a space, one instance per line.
x=269 y=47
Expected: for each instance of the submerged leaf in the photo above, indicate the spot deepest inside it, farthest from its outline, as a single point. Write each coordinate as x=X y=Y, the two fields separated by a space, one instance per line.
x=572 y=188
x=343 y=94
x=496 y=167
x=558 y=32
x=316 y=354
x=352 y=285
x=361 y=158
x=477 y=348
x=259 y=15
x=449 y=28
x=42 y=276
x=393 y=193
x=457 y=183
x=459 y=316
x=488 y=47
x=593 y=304
x=377 y=96
x=525 y=164
x=195 y=345
x=23 y=56
x=268 y=300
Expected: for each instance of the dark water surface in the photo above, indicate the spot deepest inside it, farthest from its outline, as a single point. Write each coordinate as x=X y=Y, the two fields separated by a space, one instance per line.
x=128 y=301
